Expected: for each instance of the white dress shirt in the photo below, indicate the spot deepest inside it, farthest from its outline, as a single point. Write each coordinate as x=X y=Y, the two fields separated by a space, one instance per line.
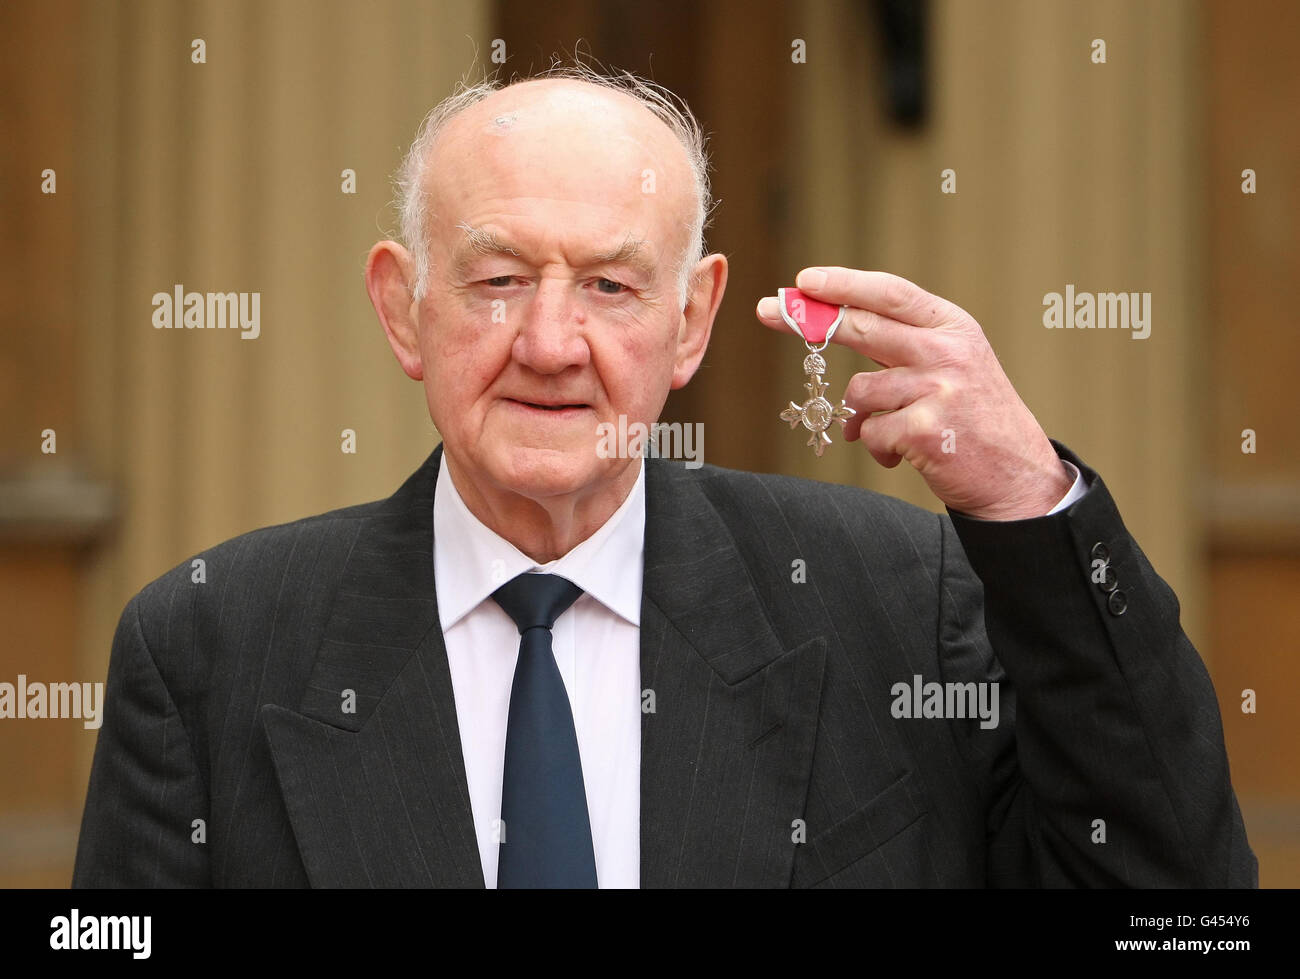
x=597 y=644
x=1076 y=490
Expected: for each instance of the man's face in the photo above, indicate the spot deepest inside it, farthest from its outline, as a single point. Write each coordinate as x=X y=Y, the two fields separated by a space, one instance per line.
x=558 y=214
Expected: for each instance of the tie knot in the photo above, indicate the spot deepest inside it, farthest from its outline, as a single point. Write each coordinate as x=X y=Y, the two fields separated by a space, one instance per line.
x=536 y=600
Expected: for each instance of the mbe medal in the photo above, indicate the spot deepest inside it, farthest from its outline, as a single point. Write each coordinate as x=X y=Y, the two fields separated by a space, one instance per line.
x=816 y=322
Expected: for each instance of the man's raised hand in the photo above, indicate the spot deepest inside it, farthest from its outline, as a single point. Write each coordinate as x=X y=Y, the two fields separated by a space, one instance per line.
x=942 y=401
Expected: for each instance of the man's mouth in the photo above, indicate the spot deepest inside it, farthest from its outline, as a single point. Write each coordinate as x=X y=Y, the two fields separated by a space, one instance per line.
x=549 y=406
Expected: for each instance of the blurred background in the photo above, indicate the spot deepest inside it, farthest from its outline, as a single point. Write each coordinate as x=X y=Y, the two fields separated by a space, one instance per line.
x=831 y=126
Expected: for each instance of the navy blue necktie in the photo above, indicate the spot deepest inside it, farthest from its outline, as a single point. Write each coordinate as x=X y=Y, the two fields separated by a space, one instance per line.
x=547 y=841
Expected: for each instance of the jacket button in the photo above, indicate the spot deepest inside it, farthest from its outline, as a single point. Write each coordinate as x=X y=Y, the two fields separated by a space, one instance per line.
x=1100 y=552
x=1109 y=579
x=1117 y=603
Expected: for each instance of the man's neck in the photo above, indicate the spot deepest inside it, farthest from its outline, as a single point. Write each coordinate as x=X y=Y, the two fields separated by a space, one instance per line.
x=543 y=529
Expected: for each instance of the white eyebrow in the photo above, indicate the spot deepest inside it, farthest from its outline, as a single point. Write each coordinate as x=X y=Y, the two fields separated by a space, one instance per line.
x=625 y=252
x=482 y=241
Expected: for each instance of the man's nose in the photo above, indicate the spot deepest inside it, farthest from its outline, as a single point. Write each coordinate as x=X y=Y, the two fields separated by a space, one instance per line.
x=551 y=332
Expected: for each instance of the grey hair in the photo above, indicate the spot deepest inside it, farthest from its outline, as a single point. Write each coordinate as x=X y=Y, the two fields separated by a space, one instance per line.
x=669 y=108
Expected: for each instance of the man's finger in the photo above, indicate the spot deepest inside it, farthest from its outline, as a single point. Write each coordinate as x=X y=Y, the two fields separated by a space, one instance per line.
x=879 y=292
x=886 y=341
x=872 y=391
x=881 y=434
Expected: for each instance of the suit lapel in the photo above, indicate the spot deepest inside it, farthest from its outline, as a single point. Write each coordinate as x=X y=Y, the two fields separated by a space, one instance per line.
x=726 y=753
x=374 y=780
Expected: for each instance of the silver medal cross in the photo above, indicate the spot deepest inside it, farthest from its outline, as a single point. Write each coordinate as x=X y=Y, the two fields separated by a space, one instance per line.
x=817 y=413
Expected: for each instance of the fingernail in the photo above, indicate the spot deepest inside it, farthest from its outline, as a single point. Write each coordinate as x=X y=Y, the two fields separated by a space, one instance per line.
x=811 y=279
x=767 y=306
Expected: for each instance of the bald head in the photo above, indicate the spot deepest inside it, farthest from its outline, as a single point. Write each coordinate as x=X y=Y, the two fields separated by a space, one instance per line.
x=566 y=127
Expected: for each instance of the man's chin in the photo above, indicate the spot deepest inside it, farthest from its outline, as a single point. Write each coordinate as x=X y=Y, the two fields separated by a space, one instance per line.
x=541 y=473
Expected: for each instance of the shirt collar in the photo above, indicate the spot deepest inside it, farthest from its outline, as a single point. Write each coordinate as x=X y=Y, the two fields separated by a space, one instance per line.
x=471 y=561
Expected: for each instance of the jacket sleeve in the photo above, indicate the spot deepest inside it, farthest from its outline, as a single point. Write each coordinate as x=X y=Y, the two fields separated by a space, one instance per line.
x=146 y=790
x=1116 y=774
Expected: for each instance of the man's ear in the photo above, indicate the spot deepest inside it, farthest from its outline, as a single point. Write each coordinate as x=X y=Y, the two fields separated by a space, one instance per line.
x=706 y=284
x=390 y=282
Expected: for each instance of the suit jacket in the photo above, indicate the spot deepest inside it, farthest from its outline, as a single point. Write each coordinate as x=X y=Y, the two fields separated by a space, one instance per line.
x=772 y=757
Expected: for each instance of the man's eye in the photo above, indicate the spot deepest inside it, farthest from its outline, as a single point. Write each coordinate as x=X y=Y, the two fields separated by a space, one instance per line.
x=617 y=287
x=499 y=280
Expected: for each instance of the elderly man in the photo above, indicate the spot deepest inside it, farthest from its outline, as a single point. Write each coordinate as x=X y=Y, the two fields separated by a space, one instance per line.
x=538 y=664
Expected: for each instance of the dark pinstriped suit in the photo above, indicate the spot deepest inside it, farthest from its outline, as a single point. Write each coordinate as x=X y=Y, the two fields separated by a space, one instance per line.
x=772 y=704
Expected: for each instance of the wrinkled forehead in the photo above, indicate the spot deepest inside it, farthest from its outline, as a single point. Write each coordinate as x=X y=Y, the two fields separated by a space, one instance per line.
x=552 y=142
